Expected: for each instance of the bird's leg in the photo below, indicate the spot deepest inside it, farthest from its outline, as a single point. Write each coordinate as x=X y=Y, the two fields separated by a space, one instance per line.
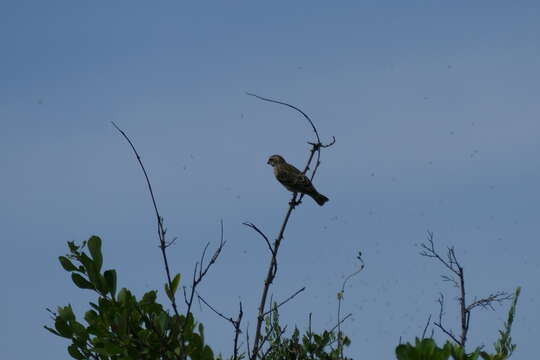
x=294 y=202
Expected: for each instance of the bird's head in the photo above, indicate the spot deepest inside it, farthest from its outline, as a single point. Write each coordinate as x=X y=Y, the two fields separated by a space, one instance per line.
x=275 y=160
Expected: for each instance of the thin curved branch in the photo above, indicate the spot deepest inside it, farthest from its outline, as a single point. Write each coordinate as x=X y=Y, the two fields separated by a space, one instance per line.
x=340 y=322
x=235 y=323
x=259 y=231
x=340 y=299
x=160 y=227
x=293 y=107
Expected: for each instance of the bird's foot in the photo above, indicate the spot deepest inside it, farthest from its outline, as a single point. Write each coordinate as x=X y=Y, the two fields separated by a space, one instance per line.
x=295 y=203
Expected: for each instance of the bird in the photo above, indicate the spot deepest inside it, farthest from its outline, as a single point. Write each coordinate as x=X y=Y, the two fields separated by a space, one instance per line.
x=293 y=179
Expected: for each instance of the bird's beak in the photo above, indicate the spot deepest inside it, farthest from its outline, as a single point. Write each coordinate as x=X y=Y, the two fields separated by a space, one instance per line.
x=268 y=162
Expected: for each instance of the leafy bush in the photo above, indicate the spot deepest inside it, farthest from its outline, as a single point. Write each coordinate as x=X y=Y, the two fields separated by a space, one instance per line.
x=118 y=326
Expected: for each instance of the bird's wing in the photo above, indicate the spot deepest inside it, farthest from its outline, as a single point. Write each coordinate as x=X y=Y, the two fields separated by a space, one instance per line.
x=284 y=176
x=293 y=179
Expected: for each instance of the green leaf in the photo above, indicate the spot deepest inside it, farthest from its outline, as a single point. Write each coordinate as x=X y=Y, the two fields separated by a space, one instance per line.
x=90 y=316
x=207 y=353
x=113 y=349
x=175 y=282
x=149 y=298
x=124 y=296
x=66 y=263
x=94 y=245
x=94 y=276
x=72 y=247
x=74 y=352
x=80 y=331
x=201 y=330
x=110 y=279
x=81 y=282
x=101 y=285
x=163 y=321
x=168 y=291
x=66 y=313
x=86 y=261
x=63 y=328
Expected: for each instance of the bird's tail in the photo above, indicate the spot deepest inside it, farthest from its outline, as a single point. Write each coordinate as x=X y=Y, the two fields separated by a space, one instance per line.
x=319 y=198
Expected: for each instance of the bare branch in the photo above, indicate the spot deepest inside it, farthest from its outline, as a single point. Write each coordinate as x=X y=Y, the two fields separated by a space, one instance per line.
x=295 y=108
x=229 y=319
x=285 y=301
x=172 y=242
x=488 y=301
x=160 y=227
x=235 y=323
x=429 y=251
x=452 y=263
x=214 y=256
x=247 y=342
x=201 y=273
x=450 y=279
x=426 y=327
x=202 y=258
x=340 y=322
x=237 y=332
x=439 y=323
x=254 y=227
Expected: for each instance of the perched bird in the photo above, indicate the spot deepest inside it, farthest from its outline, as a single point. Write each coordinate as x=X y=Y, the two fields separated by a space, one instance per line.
x=294 y=180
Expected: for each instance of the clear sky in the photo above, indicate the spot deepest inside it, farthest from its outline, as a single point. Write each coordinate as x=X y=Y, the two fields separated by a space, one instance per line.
x=434 y=105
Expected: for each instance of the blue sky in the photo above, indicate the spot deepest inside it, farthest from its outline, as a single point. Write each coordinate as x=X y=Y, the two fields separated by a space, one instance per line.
x=434 y=106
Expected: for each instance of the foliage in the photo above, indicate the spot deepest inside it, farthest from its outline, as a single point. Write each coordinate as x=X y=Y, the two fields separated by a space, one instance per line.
x=311 y=346
x=118 y=326
x=503 y=346
x=427 y=349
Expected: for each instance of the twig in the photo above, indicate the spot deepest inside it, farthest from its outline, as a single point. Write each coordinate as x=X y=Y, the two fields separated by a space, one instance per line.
x=284 y=301
x=429 y=251
x=235 y=323
x=247 y=342
x=488 y=301
x=426 y=327
x=237 y=331
x=254 y=227
x=450 y=279
x=160 y=227
x=293 y=107
x=197 y=278
x=229 y=319
x=439 y=323
x=341 y=322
